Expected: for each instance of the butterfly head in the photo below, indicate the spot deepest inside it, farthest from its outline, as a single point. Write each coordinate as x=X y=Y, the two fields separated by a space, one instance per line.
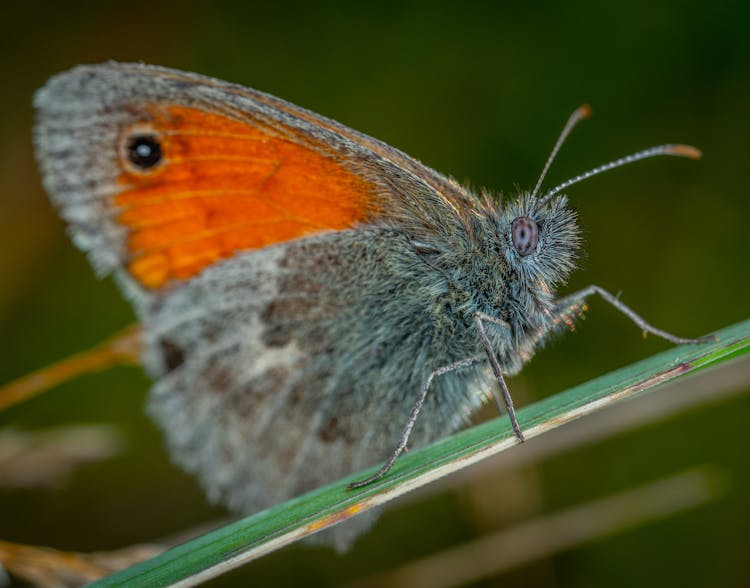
x=540 y=244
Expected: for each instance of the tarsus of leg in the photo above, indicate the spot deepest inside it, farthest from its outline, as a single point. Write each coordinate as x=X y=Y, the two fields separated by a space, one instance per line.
x=464 y=363
x=581 y=295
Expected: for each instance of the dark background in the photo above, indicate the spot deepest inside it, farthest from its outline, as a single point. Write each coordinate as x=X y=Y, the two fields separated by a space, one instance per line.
x=477 y=93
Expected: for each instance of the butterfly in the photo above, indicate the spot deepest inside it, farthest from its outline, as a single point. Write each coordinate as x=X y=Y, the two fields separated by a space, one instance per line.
x=311 y=298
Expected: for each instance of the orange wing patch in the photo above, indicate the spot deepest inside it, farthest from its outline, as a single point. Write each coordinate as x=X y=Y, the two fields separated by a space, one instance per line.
x=225 y=186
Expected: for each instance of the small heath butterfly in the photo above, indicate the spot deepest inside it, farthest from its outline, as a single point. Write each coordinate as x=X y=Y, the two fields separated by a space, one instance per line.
x=311 y=298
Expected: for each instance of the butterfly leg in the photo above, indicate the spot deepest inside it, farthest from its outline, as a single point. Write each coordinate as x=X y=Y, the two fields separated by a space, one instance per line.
x=464 y=363
x=507 y=399
x=578 y=297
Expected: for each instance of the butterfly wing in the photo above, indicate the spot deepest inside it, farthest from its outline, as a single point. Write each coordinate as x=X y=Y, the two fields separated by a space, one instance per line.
x=232 y=169
x=290 y=320
x=289 y=367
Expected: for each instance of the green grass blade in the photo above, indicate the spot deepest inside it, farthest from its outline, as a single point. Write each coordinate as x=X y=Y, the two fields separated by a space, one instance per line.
x=251 y=537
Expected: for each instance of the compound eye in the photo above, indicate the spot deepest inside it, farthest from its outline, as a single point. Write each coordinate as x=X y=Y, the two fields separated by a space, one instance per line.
x=525 y=235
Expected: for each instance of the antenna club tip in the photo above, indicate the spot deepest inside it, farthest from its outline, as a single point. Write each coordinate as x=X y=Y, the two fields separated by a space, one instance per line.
x=584 y=110
x=685 y=151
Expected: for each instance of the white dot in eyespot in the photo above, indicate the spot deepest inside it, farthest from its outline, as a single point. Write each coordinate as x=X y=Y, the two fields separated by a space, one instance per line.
x=143 y=150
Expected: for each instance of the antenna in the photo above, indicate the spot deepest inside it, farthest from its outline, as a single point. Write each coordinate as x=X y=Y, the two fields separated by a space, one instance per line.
x=579 y=114
x=676 y=150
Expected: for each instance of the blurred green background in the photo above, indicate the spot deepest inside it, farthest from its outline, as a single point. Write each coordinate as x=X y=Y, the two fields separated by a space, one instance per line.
x=477 y=92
